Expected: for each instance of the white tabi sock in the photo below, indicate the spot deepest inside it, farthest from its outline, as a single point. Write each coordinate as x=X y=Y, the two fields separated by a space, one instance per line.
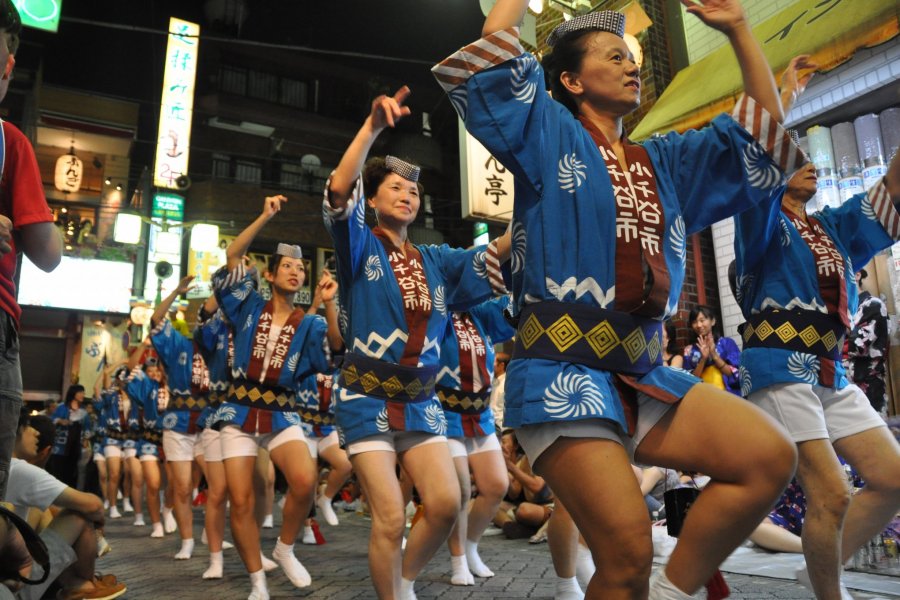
x=663 y=589
x=259 y=589
x=187 y=548
x=215 y=566
x=296 y=572
x=461 y=574
x=567 y=589
x=584 y=566
x=406 y=589
x=267 y=563
x=476 y=565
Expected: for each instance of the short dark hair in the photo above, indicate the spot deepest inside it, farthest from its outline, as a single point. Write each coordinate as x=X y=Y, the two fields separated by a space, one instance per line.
x=70 y=393
x=567 y=55
x=11 y=24
x=46 y=430
x=672 y=334
x=374 y=173
x=275 y=260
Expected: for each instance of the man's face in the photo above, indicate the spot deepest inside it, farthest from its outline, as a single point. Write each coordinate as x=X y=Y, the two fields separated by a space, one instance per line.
x=27 y=443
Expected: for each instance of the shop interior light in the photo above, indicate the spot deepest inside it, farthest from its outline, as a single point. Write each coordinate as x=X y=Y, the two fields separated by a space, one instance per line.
x=204 y=237
x=536 y=6
x=127 y=229
x=168 y=242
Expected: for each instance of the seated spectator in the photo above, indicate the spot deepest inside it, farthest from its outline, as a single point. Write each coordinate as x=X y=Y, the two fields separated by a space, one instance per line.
x=780 y=531
x=654 y=483
x=715 y=360
x=70 y=536
x=670 y=346
x=528 y=502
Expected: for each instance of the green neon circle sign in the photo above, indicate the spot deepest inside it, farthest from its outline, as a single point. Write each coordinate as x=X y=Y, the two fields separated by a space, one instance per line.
x=41 y=14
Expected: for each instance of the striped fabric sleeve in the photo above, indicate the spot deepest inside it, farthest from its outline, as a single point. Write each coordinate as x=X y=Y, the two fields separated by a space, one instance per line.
x=331 y=213
x=158 y=329
x=770 y=135
x=482 y=54
x=878 y=204
x=492 y=266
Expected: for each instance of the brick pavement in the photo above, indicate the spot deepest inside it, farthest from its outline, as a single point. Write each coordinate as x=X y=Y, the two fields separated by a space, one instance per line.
x=340 y=571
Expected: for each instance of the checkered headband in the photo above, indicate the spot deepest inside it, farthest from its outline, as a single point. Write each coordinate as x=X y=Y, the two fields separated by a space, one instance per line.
x=602 y=20
x=402 y=168
x=289 y=250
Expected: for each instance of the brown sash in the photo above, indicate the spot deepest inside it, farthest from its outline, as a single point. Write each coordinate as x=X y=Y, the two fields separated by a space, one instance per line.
x=282 y=345
x=640 y=228
x=410 y=276
x=470 y=342
x=830 y=276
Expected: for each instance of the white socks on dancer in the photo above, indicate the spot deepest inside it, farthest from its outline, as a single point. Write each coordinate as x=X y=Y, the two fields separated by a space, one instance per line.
x=268 y=522
x=476 y=565
x=114 y=512
x=309 y=536
x=663 y=589
x=406 y=589
x=323 y=504
x=187 y=549
x=157 y=530
x=139 y=520
x=259 y=589
x=584 y=566
x=804 y=580
x=296 y=572
x=567 y=589
x=215 y=566
x=267 y=563
x=461 y=574
x=169 y=523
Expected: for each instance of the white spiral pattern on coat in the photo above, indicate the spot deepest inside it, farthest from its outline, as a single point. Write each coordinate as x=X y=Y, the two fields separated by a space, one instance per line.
x=804 y=366
x=439 y=303
x=517 y=256
x=677 y=238
x=572 y=172
x=374 y=271
x=523 y=89
x=573 y=395
x=437 y=421
x=746 y=381
x=761 y=172
x=785 y=233
x=381 y=421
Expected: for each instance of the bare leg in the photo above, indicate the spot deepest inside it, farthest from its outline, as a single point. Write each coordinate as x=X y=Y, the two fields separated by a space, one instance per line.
x=431 y=468
x=150 y=470
x=749 y=459
x=113 y=474
x=103 y=477
x=214 y=520
x=461 y=574
x=239 y=478
x=136 y=472
x=340 y=470
x=180 y=472
x=772 y=537
x=377 y=476
x=294 y=460
x=562 y=538
x=489 y=470
x=876 y=456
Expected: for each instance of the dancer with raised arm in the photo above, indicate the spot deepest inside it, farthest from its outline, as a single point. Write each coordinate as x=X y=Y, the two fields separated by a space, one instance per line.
x=275 y=346
x=396 y=298
x=599 y=228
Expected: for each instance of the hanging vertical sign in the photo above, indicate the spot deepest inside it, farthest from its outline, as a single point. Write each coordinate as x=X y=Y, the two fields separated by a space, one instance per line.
x=176 y=110
x=486 y=185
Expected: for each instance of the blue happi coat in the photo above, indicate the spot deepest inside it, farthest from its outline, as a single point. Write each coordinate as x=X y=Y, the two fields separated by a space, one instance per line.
x=176 y=352
x=212 y=340
x=494 y=329
x=242 y=305
x=372 y=316
x=114 y=421
x=775 y=268
x=564 y=221
x=144 y=415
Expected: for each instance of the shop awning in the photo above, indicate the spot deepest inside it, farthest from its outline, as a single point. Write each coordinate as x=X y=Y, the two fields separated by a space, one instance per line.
x=830 y=30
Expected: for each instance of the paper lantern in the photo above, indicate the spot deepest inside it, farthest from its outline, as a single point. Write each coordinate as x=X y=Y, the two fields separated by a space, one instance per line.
x=127 y=229
x=204 y=237
x=68 y=172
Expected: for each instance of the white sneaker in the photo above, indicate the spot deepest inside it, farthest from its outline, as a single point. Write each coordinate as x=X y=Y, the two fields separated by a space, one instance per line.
x=268 y=522
x=126 y=506
x=103 y=547
x=309 y=537
x=323 y=504
x=139 y=520
x=114 y=512
x=804 y=580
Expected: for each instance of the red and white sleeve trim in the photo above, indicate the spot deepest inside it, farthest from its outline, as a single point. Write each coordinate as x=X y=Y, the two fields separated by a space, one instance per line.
x=342 y=214
x=769 y=133
x=492 y=266
x=483 y=54
x=885 y=210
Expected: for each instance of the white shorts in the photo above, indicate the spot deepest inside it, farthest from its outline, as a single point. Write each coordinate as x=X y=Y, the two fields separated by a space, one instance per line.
x=317 y=445
x=535 y=439
x=395 y=441
x=813 y=412
x=179 y=447
x=467 y=446
x=211 y=443
x=99 y=457
x=118 y=452
x=236 y=442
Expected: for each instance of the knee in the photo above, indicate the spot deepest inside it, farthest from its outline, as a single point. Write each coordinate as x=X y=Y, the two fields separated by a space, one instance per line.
x=885 y=479
x=492 y=488
x=831 y=498
x=631 y=562
x=531 y=514
x=442 y=508
x=389 y=524
x=242 y=501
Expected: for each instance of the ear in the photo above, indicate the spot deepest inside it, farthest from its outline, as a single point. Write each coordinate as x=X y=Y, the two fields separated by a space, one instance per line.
x=572 y=82
x=268 y=276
